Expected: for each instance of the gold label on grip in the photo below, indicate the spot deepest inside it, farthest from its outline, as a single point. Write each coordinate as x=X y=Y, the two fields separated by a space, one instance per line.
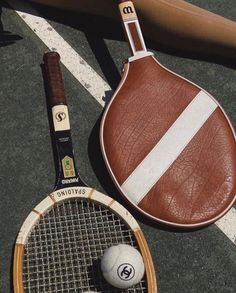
x=68 y=167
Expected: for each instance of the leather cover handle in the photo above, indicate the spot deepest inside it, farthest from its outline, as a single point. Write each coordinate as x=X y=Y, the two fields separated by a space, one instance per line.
x=54 y=80
x=132 y=28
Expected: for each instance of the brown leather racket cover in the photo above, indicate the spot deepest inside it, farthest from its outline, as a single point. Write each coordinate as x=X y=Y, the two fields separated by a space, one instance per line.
x=167 y=143
x=169 y=146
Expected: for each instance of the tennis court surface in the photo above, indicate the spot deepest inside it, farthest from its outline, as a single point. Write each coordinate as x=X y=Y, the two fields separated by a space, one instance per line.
x=93 y=50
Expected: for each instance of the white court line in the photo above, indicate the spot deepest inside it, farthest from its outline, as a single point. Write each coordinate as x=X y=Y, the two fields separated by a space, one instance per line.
x=88 y=77
x=84 y=73
x=227 y=224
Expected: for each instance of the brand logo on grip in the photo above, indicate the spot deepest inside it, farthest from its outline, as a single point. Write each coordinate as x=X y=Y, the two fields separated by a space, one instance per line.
x=60 y=116
x=128 y=10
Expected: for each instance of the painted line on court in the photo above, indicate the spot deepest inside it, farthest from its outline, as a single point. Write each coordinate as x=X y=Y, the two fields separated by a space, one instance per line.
x=89 y=78
x=84 y=73
x=227 y=225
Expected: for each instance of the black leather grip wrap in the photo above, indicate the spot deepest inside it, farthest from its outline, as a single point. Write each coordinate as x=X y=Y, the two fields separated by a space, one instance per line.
x=53 y=79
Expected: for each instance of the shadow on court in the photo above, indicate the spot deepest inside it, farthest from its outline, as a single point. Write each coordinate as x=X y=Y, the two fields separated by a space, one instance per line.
x=97 y=28
x=6 y=37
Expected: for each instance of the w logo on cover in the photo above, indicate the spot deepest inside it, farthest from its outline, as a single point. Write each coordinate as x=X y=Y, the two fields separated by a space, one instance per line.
x=127 y=11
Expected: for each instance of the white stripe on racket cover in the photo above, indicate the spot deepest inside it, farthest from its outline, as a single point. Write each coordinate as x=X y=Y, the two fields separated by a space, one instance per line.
x=166 y=151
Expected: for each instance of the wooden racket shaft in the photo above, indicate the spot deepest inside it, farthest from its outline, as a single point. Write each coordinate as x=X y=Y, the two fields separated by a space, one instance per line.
x=61 y=242
x=167 y=143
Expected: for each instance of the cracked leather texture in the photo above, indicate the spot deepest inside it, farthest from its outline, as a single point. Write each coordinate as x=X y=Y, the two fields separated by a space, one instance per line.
x=201 y=183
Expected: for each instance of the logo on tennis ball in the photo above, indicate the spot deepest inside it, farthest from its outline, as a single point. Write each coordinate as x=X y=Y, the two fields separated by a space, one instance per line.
x=60 y=116
x=126 y=272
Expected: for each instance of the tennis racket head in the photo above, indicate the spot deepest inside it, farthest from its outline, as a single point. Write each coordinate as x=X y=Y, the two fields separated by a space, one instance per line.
x=169 y=147
x=60 y=244
x=62 y=240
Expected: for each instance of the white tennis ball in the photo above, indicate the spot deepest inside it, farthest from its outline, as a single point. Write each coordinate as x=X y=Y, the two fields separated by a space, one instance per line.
x=122 y=266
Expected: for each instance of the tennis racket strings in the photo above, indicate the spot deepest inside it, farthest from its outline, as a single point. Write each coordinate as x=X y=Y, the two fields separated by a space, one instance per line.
x=63 y=249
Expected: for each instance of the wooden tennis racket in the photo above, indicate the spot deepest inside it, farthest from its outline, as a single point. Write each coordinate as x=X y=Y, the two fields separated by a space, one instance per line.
x=61 y=241
x=167 y=143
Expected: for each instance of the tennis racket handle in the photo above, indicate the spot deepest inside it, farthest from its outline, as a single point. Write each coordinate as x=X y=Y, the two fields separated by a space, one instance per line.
x=54 y=81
